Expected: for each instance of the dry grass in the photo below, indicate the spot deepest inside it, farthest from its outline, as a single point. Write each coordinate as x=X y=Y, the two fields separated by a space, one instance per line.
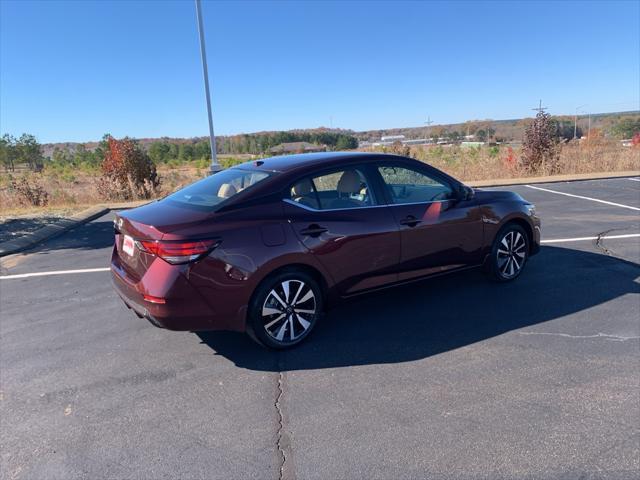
x=487 y=163
x=70 y=194
x=70 y=191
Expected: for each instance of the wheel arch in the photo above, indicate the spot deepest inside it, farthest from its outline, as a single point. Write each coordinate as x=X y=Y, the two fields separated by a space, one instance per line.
x=525 y=225
x=310 y=270
x=290 y=267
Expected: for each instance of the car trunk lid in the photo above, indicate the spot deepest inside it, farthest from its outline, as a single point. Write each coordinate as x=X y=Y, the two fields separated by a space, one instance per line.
x=151 y=222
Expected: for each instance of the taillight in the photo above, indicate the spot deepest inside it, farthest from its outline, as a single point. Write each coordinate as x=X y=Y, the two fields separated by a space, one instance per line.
x=176 y=252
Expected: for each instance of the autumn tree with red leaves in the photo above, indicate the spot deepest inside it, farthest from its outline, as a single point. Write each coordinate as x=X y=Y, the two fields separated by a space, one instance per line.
x=127 y=171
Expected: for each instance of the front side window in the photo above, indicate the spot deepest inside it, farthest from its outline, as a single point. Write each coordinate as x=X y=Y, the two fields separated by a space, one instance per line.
x=347 y=188
x=406 y=185
x=212 y=191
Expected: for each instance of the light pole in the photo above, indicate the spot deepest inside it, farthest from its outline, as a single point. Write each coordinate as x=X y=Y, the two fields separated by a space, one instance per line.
x=575 y=122
x=215 y=166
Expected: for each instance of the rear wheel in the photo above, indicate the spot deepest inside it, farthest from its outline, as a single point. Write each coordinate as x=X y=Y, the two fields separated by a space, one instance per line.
x=509 y=253
x=285 y=309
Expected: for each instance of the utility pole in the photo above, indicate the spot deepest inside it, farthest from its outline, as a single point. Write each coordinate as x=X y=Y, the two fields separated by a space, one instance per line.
x=428 y=124
x=215 y=166
x=540 y=108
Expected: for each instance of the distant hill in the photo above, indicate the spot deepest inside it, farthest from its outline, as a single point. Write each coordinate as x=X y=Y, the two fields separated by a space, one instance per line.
x=509 y=130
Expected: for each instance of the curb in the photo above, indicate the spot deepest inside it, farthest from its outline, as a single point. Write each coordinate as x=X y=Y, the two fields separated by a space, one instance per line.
x=502 y=182
x=62 y=226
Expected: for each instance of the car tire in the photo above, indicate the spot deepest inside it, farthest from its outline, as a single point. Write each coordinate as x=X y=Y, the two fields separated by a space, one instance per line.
x=284 y=309
x=509 y=253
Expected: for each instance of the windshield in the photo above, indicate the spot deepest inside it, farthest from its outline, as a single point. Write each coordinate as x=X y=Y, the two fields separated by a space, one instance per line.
x=212 y=191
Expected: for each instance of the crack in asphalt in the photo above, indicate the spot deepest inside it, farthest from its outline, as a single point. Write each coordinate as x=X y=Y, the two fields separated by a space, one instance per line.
x=283 y=442
x=281 y=453
x=603 y=235
x=616 y=338
x=600 y=245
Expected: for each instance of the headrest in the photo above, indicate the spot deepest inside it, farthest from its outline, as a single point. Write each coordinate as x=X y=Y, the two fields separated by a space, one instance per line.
x=226 y=190
x=349 y=182
x=301 y=189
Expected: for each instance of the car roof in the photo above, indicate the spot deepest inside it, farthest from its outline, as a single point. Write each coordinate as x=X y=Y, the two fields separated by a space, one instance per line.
x=287 y=163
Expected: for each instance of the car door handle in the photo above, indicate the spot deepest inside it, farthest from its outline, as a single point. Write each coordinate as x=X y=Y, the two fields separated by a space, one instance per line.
x=313 y=230
x=410 y=221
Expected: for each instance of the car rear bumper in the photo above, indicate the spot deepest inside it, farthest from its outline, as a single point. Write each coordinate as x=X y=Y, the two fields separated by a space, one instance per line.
x=182 y=307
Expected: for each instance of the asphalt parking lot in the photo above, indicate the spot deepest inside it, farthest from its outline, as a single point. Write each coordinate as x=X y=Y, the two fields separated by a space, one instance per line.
x=455 y=377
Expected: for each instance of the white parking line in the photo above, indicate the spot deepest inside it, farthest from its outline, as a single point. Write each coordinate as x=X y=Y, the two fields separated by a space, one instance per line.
x=584 y=198
x=57 y=272
x=583 y=239
x=634 y=179
x=106 y=269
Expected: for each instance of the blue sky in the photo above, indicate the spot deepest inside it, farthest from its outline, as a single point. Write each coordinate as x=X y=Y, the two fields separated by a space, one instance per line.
x=72 y=71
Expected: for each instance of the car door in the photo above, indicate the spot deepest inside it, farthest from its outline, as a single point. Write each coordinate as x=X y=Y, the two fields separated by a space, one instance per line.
x=438 y=231
x=341 y=220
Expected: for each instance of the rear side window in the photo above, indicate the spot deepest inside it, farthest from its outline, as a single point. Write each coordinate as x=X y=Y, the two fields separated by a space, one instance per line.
x=343 y=189
x=212 y=191
x=406 y=185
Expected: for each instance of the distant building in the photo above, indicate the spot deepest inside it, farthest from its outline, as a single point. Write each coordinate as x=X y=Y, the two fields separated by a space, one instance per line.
x=417 y=141
x=392 y=138
x=297 y=147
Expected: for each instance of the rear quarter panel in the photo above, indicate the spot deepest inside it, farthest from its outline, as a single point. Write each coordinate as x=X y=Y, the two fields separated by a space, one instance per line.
x=255 y=241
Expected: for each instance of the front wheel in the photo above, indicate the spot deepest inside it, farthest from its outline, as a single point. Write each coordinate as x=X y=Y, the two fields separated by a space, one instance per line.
x=509 y=253
x=285 y=309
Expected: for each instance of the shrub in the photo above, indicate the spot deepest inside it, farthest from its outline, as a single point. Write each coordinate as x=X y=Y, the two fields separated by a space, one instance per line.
x=540 y=148
x=29 y=191
x=398 y=148
x=509 y=159
x=127 y=172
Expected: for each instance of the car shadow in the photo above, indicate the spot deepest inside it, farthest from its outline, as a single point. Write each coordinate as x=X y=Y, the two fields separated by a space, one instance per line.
x=441 y=314
x=94 y=235
x=16 y=227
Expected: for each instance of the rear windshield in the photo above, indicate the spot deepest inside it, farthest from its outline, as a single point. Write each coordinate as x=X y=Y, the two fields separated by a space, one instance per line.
x=210 y=192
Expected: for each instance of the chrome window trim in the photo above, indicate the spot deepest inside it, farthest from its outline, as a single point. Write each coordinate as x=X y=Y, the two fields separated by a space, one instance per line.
x=305 y=207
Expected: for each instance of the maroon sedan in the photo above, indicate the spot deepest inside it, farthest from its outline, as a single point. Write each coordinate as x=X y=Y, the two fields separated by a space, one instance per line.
x=266 y=246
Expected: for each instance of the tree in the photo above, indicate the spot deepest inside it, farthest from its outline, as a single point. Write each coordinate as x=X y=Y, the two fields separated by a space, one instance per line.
x=158 y=152
x=567 y=129
x=490 y=133
x=127 y=171
x=8 y=151
x=626 y=128
x=29 y=152
x=540 y=149
x=60 y=156
x=346 y=143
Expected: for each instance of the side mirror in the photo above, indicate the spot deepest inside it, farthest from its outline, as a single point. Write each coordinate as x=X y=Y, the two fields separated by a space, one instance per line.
x=470 y=192
x=465 y=193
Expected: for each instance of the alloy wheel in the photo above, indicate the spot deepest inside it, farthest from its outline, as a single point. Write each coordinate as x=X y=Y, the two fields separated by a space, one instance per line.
x=288 y=310
x=512 y=253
